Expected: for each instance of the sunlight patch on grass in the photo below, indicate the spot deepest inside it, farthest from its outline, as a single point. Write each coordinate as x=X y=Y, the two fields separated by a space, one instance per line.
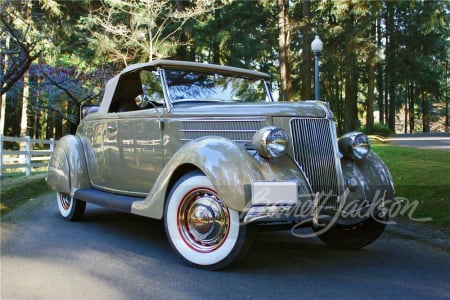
x=422 y=175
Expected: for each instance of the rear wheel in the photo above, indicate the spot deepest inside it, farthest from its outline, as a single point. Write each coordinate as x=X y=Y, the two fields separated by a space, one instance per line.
x=70 y=208
x=199 y=226
x=354 y=236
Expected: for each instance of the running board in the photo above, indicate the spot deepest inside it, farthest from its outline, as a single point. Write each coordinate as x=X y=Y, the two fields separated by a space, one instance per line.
x=108 y=200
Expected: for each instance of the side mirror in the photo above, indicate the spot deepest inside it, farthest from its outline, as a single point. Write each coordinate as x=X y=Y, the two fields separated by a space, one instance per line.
x=142 y=101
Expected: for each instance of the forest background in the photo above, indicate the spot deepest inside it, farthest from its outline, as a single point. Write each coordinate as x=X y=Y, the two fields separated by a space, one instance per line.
x=383 y=68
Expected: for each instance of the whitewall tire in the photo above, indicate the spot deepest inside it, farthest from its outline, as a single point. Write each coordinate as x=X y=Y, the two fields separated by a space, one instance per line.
x=70 y=208
x=200 y=228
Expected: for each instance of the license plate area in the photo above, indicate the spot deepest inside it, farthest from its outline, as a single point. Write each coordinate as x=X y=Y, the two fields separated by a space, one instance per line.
x=274 y=192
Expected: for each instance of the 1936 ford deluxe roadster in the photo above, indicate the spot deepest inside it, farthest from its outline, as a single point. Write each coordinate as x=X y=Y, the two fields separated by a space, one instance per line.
x=207 y=149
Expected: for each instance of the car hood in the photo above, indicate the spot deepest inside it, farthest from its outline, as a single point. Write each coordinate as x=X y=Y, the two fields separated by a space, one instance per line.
x=313 y=109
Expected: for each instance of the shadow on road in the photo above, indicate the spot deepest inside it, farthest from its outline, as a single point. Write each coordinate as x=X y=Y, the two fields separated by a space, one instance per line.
x=110 y=255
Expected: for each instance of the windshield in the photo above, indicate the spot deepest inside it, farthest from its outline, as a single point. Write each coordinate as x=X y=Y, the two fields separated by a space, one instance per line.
x=199 y=86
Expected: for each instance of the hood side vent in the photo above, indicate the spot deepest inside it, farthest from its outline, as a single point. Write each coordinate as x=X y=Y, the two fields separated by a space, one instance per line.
x=240 y=131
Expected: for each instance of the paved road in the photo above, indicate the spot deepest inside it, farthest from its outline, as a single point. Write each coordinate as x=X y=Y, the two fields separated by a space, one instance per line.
x=111 y=255
x=438 y=141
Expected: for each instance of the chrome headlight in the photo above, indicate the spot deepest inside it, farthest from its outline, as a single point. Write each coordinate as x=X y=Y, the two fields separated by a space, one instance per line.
x=354 y=145
x=271 y=142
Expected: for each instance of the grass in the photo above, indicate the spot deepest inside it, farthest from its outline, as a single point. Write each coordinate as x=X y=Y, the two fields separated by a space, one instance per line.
x=16 y=174
x=13 y=197
x=422 y=175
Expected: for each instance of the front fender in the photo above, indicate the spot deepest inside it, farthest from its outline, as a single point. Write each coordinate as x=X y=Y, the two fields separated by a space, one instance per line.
x=67 y=169
x=373 y=178
x=230 y=167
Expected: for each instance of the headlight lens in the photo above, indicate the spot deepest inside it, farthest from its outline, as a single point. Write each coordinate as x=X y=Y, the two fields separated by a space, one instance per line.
x=271 y=142
x=354 y=145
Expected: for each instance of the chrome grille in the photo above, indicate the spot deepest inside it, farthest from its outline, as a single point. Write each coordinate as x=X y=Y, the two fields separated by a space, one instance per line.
x=235 y=130
x=315 y=151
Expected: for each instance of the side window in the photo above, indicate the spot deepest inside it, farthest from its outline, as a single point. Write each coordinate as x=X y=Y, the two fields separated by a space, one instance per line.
x=151 y=86
x=128 y=88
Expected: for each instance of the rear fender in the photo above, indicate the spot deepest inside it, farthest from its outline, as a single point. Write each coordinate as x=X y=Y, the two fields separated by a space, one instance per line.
x=67 y=169
x=230 y=167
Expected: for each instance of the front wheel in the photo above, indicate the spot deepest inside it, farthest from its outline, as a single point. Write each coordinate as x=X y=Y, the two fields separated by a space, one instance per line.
x=70 y=208
x=200 y=228
x=354 y=236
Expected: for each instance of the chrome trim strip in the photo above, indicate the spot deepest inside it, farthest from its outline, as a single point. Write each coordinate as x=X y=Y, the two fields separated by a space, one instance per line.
x=234 y=140
x=218 y=130
x=337 y=159
x=120 y=192
x=167 y=100
x=224 y=119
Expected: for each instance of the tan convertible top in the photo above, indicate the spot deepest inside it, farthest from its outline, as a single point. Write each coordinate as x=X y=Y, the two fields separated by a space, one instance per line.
x=173 y=64
x=187 y=65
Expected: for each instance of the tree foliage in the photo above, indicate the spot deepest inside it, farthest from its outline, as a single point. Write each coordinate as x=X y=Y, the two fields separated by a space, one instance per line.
x=389 y=57
x=130 y=31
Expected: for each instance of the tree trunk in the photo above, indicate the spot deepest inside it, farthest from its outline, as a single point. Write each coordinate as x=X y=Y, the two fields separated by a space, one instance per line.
x=392 y=106
x=73 y=110
x=306 y=52
x=447 y=125
x=184 y=38
x=350 y=104
x=2 y=114
x=64 y=122
x=380 y=77
x=215 y=49
x=24 y=115
x=411 y=108
x=370 y=92
x=406 y=107
x=425 y=100
x=150 y=33
x=25 y=103
x=26 y=90
x=338 y=93
x=3 y=67
x=390 y=70
x=283 y=44
x=425 y=112
x=447 y=100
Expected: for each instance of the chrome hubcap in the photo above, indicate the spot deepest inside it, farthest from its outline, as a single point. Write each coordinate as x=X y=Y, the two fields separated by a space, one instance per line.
x=203 y=219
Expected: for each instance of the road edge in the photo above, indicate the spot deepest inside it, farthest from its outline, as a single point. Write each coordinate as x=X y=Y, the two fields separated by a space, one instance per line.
x=420 y=232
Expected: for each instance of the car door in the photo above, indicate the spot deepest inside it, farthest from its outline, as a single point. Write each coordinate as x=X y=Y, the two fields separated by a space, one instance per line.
x=100 y=142
x=139 y=153
x=132 y=143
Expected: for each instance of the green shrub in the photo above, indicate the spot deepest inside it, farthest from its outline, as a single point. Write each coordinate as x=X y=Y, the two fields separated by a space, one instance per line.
x=378 y=129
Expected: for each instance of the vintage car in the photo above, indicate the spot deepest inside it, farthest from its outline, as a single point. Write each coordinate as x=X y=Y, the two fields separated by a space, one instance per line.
x=207 y=149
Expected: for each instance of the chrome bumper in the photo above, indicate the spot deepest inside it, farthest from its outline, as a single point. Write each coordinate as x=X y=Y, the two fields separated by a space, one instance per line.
x=310 y=210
